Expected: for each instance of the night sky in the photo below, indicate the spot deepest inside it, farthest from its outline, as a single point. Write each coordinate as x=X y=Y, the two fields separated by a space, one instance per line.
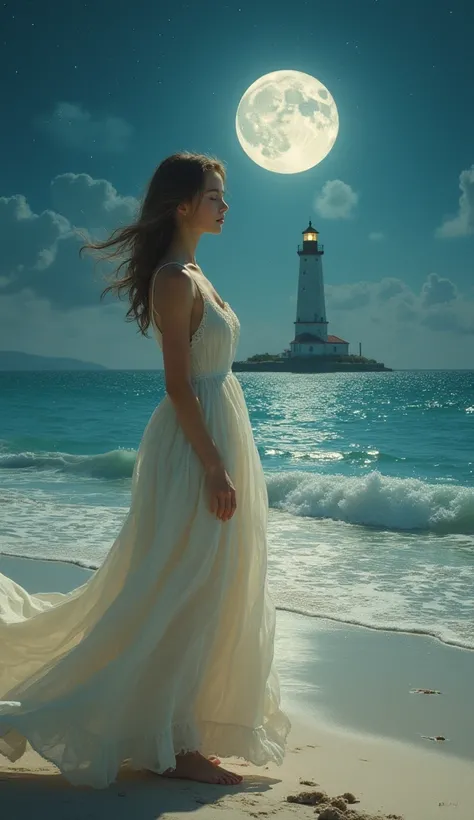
x=95 y=95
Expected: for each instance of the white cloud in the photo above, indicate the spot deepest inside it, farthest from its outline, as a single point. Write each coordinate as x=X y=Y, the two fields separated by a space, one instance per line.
x=389 y=287
x=463 y=223
x=336 y=200
x=40 y=252
x=456 y=317
x=376 y=236
x=438 y=305
x=349 y=297
x=73 y=126
x=405 y=327
x=361 y=294
x=90 y=203
x=437 y=290
x=27 y=238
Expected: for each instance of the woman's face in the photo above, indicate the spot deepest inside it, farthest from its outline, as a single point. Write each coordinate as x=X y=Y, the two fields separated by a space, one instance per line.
x=211 y=206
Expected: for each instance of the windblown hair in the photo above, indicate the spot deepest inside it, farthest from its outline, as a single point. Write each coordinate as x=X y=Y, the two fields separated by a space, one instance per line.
x=179 y=178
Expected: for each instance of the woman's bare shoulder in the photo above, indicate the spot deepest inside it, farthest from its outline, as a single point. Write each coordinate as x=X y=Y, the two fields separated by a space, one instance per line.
x=172 y=280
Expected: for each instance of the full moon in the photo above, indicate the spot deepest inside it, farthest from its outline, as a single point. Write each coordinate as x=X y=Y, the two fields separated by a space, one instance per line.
x=287 y=122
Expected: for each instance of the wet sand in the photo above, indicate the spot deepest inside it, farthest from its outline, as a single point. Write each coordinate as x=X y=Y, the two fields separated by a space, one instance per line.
x=358 y=727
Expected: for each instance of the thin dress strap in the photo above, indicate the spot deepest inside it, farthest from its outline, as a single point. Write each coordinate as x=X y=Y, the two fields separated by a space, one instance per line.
x=153 y=280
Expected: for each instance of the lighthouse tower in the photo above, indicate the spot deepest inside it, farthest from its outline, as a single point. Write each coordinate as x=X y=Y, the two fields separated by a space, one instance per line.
x=311 y=326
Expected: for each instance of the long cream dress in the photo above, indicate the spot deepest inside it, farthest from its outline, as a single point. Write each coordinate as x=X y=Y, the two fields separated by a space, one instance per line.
x=168 y=647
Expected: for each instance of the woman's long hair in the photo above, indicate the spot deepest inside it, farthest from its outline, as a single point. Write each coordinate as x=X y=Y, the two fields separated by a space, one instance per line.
x=179 y=178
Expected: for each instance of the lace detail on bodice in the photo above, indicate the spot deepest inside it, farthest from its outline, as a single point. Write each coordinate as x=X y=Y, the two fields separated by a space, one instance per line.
x=199 y=332
x=229 y=316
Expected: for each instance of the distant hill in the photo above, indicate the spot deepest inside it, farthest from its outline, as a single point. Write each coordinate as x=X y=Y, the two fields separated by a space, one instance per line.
x=14 y=360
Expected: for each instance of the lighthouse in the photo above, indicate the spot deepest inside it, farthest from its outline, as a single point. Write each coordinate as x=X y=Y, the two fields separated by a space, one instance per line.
x=311 y=325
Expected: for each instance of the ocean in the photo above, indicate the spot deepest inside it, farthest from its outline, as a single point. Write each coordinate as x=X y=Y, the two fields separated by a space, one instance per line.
x=370 y=482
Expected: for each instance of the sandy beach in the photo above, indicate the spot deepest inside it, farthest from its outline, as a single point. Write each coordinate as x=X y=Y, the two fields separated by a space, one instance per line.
x=359 y=727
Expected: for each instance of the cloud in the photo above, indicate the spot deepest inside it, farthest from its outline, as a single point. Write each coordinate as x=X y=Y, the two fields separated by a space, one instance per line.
x=405 y=313
x=90 y=203
x=61 y=277
x=40 y=252
x=74 y=127
x=337 y=200
x=360 y=294
x=456 y=317
x=389 y=287
x=437 y=290
x=402 y=330
x=49 y=296
x=27 y=239
x=376 y=236
x=438 y=305
x=348 y=297
x=463 y=223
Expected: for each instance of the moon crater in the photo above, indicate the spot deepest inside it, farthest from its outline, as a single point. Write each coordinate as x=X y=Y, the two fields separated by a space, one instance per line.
x=287 y=122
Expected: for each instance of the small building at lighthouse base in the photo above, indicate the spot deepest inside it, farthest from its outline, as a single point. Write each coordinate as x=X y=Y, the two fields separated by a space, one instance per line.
x=307 y=344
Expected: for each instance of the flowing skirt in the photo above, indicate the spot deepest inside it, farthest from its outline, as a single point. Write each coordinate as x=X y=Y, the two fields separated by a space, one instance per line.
x=168 y=647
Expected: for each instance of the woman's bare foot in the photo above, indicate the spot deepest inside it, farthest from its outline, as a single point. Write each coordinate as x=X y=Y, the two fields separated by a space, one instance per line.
x=214 y=759
x=193 y=766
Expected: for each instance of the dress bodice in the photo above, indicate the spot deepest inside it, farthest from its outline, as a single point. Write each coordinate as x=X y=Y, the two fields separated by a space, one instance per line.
x=214 y=343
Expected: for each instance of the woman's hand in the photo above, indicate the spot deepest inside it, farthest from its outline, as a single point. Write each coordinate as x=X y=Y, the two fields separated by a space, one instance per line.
x=222 y=493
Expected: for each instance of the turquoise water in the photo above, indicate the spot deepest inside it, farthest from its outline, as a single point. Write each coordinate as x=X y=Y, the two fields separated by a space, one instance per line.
x=370 y=483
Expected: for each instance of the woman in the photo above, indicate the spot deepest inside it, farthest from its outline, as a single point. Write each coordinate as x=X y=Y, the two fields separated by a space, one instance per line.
x=166 y=653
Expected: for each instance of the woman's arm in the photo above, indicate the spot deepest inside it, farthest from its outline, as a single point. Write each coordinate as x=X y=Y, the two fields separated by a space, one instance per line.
x=172 y=298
